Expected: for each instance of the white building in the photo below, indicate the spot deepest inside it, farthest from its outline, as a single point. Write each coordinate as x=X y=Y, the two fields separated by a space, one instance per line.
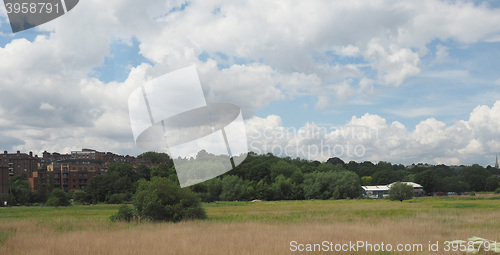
x=381 y=191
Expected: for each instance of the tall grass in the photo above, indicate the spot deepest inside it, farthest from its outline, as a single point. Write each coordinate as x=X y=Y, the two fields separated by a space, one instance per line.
x=250 y=228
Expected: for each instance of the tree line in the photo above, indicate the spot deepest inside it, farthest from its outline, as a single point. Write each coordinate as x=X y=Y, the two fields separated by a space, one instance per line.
x=268 y=177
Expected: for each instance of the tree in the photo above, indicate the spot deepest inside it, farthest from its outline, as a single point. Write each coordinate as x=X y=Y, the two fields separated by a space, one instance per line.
x=366 y=180
x=335 y=161
x=20 y=189
x=385 y=177
x=214 y=189
x=164 y=170
x=475 y=176
x=332 y=185
x=99 y=187
x=400 y=191
x=282 y=188
x=120 y=179
x=233 y=188
x=427 y=179
x=58 y=198
x=283 y=168
x=161 y=199
x=156 y=157
x=347 y=186
x=491 y=183
x=144 y=172
x=453 y=184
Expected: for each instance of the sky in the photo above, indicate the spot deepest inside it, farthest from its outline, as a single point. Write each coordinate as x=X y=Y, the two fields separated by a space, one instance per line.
x=398 y=81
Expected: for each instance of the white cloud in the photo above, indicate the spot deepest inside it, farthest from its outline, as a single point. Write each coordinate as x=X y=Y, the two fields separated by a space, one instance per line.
x=47 y=106
x=350 y=51
x=442 y=54
x=275 y=51
x=370 y=137
x=394 y=65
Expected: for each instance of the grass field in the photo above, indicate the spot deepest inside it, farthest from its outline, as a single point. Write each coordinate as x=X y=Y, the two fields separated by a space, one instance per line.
x=253 y=228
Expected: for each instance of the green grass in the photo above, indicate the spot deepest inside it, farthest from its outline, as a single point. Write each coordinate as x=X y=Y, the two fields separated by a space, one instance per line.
x=339 y=210
x=443 y=218
x=43 y=213
x=280 y=211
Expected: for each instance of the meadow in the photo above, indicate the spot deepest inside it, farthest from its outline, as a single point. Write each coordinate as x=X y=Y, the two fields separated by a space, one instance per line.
x=255 y=227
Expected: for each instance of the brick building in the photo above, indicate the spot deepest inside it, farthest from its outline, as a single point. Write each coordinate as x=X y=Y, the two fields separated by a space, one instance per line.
x=4 y=180
x=68 y=172
x=71 y=174
x=18 y=163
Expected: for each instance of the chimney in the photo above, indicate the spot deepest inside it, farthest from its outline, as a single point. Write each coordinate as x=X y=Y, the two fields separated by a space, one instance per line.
x=5 y=152
x=18 y=152
x=31 y=154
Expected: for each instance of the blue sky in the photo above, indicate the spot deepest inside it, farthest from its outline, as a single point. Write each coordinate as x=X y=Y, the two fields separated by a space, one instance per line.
x=448 y=91
x=423 y=73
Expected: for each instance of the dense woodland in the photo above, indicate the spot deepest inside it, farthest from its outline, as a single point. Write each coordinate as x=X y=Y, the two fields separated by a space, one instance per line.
x=268 y=177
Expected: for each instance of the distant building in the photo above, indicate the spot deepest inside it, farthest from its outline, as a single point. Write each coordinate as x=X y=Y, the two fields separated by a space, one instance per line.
x=382 y=191
x=4 y=180
x=52 y=157
x=70 y=175
x=14 y=164
x=19 y=163
x=496 y=162
x=67 y=172
x=376 y=191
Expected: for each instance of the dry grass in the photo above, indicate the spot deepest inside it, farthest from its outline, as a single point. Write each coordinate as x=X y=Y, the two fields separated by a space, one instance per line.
x=262 y=228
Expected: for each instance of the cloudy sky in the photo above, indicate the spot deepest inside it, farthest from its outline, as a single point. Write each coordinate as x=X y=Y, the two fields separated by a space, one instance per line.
x=398 y=81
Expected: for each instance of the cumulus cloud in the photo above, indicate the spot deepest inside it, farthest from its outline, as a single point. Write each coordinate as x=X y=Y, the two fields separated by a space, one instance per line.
x=370 y=137
x=256 y=53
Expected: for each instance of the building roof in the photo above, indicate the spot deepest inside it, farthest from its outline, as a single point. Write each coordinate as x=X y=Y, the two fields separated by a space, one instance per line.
x=387 y=187
x=376 y=188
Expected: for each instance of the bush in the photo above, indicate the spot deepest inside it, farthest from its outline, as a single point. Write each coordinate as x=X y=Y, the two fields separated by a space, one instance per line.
x=400 y=191
x=117 y=198
x=497 y=191
x=10 y=199
x=58 y=198
x=81 y=197
x=125 y=213
x=161 y=199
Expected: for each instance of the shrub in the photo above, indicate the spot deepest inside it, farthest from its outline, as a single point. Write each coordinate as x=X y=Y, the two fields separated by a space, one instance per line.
x=10 y=199
x=400 y=191
x=125 y=213
x=58 y=198
x=117 y=198
x=497 y=191
x=81 y=197
x=161 y=199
